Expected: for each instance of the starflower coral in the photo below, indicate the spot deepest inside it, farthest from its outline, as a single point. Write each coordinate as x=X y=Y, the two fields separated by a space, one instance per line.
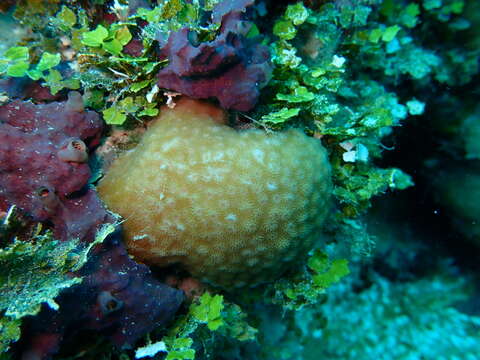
x=233 y=207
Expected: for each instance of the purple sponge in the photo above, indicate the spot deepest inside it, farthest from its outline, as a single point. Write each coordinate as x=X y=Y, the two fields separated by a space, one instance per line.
x=43 y=169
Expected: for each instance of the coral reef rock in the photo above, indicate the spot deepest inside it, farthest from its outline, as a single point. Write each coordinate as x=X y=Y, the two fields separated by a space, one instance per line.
x=233 y=207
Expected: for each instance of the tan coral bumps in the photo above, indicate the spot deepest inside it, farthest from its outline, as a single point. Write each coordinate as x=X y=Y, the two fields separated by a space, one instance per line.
x=234 y=207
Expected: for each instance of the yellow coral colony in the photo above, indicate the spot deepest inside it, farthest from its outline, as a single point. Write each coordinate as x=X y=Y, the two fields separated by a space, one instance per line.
x=233 y=207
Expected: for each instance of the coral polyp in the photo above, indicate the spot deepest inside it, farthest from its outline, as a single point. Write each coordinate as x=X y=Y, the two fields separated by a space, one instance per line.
x=233 y=207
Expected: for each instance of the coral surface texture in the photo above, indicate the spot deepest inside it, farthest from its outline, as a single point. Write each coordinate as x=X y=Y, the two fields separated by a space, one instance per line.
x=233 y=207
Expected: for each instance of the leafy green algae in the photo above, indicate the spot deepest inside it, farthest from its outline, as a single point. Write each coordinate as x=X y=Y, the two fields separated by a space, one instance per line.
x=16 y=63
x=307 y=288
x=33 y=273
x=315 y=85
x=210 y=319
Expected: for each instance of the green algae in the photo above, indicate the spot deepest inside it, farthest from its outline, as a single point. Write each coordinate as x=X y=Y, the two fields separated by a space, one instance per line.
x=34 y=272
x=210 y=320
x=322 y=272
x=352 y=114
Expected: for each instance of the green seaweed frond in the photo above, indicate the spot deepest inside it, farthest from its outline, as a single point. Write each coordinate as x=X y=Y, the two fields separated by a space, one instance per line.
x=314 y=86
x=130 y=81
x=34 y=272
x=305 y=289
x=208 y=317
x=16 y=62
